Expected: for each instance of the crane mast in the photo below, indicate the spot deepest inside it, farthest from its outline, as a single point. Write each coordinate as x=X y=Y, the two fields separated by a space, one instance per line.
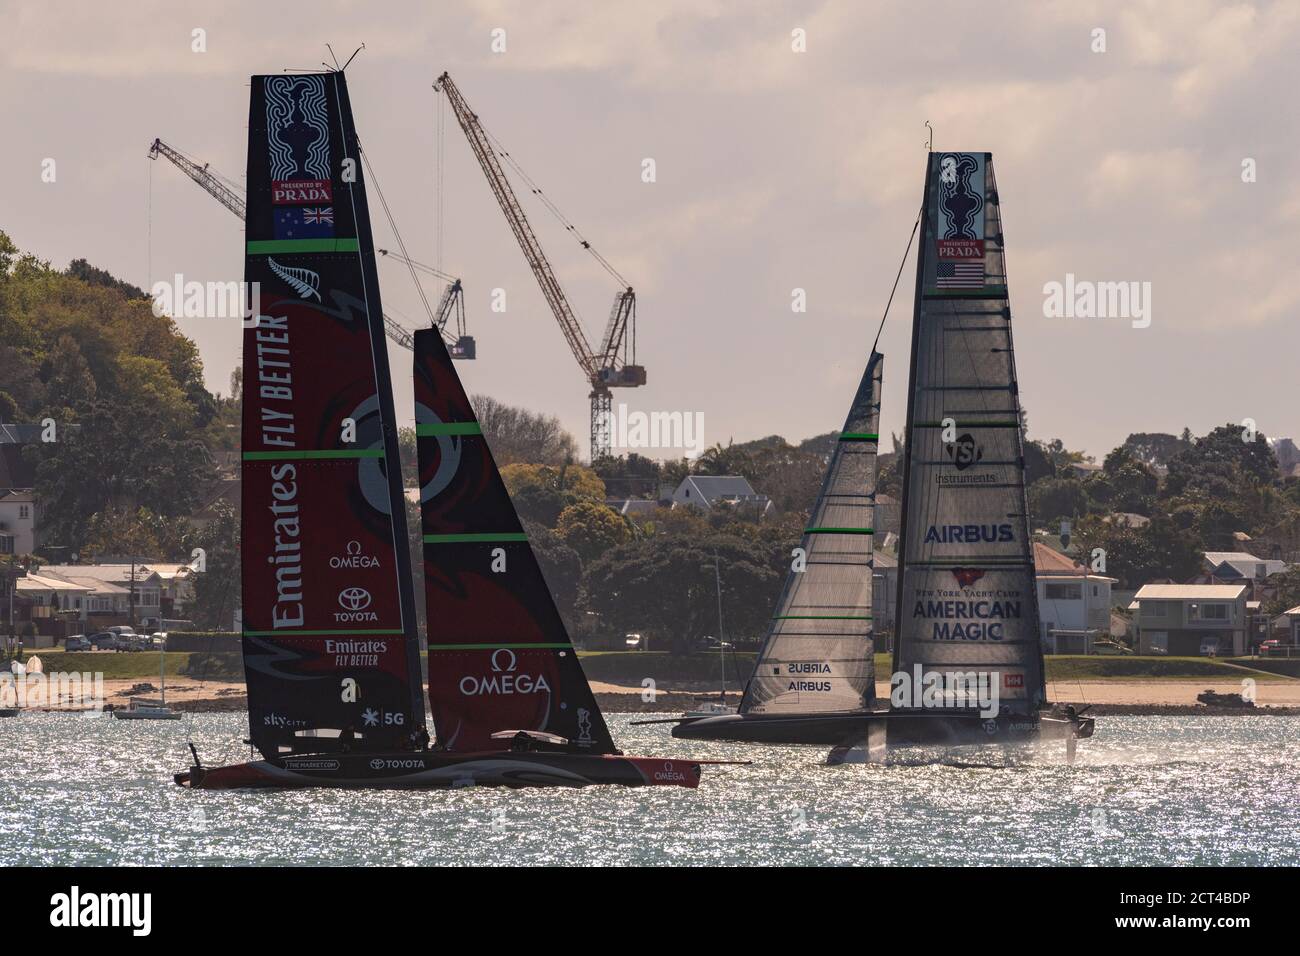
x=608 y=368
x=461 y=347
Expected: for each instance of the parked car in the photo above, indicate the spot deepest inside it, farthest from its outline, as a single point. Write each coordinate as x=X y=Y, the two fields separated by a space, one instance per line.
x=1209 y=647
x=1110 y=647
x=121 y=629
x=158 y=640
x=77 y=642
x=632 y=642
x=1269 y=647
x=104 y=641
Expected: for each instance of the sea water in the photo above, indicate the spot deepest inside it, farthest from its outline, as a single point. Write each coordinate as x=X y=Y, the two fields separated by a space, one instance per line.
x=1144 y=790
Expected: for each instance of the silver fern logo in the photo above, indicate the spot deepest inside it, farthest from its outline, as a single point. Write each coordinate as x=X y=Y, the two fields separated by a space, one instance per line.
x=303 y=281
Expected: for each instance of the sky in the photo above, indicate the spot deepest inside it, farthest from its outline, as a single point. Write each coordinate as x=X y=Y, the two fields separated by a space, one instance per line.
x=776 y=169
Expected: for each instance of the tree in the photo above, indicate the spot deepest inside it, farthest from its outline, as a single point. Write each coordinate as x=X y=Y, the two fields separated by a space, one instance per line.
x=134 y=533
x=1155 y=448
x=561 y=567
x=1136 y=556
x=591 y=529
x=1053 y=499
x=665 y=586
x=518 y=435
x=216 y=587
x=541 y=492
x=83 y=270
x=122 y=456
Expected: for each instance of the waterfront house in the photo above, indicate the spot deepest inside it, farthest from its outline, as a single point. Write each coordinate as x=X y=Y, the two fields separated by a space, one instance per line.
x=1188 y=620
x=1073 y=603
x=116 y=597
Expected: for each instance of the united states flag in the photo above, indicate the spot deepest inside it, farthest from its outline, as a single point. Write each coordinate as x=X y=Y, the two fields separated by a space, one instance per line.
x=960 y=275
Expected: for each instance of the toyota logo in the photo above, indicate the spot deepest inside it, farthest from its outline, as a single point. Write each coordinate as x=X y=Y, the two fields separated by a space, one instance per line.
x=376 y=764
x=354 y=599
x=509 y=657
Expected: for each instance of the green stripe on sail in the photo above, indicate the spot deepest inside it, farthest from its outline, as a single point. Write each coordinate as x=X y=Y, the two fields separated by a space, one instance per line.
x=839 y=531
x=858 y=436
x=296 y=633
x=268 y=247
x=321 y=454
x=448 y=428
x=496 y=647
x=488 y=537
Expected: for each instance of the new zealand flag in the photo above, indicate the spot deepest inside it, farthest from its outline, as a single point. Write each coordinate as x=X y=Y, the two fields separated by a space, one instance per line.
x=304 y=222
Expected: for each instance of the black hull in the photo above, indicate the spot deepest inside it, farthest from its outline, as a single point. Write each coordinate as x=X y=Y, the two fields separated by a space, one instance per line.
x=822 y=729
x=899 y=728
x=437 y=770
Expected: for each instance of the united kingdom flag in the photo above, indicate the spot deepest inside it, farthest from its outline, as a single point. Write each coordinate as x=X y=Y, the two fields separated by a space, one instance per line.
x=316 y=215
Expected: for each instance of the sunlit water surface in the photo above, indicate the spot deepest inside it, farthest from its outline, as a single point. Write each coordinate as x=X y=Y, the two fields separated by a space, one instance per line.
x=1145 y=790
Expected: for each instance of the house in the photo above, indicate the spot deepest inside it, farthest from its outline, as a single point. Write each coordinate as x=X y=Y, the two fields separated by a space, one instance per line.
x=884 y=591
x=55 y=608
x=1082 y=469
x=1073 y=603
x=1293 y=619
x=633 y=507
x=115 y=597
x=888 y=514
x=707 y=492
x=177 y=586
x=18 y=521
x=1190 y=619
x=1233 y=566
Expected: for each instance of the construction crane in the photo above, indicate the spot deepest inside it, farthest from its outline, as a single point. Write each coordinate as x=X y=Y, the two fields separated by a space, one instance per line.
x=451 y=305
x=225 y=191
x=614 y=364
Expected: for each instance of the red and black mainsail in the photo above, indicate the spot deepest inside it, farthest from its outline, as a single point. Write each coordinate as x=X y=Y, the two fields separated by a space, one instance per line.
x=499 y=655
x=330 y=641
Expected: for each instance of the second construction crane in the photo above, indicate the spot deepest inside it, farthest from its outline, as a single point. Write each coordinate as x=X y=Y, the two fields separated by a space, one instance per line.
x=613 y=365
x=452 y=304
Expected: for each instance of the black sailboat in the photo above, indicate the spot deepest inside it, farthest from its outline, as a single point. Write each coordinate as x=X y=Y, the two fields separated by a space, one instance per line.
x=330 y=642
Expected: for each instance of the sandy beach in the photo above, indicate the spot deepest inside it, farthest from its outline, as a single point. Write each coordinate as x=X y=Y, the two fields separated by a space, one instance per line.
x=1135 y=696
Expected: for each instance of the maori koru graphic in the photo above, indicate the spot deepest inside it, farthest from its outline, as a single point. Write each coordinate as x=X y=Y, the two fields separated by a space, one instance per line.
x=959 y=202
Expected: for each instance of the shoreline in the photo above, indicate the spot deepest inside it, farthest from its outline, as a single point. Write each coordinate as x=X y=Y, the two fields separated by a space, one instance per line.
x=1102 y=698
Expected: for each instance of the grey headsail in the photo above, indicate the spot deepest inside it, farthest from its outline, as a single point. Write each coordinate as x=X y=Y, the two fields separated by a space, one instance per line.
x=966 y=598
x=818 y=654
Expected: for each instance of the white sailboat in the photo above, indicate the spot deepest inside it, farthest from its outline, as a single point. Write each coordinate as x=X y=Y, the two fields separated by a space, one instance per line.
x=141 y=709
